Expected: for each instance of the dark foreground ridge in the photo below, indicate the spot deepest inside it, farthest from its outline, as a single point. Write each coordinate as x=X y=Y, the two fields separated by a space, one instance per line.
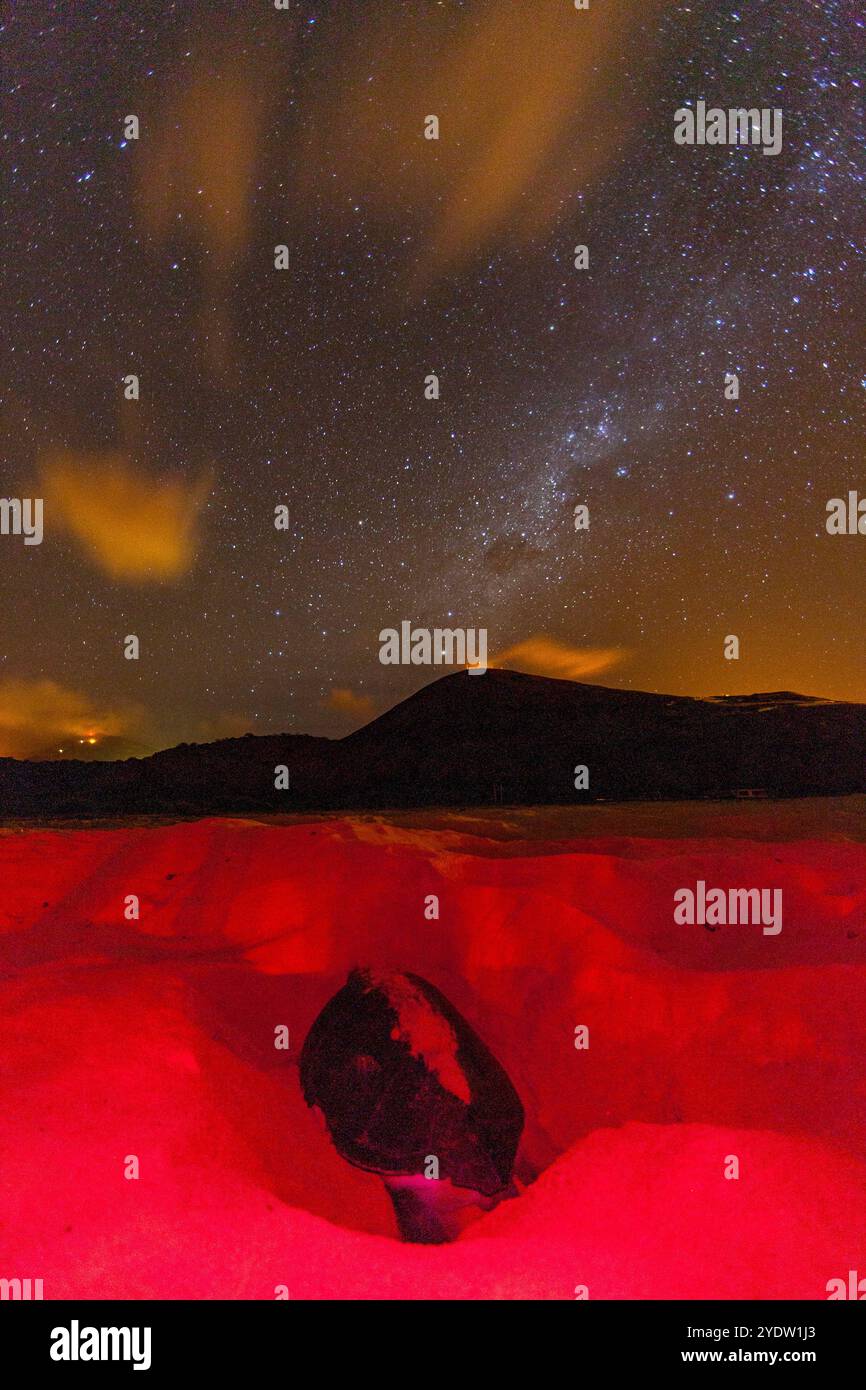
x=476 y=740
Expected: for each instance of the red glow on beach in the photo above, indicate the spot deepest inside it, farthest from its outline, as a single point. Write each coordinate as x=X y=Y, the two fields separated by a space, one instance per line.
x=154 y=1038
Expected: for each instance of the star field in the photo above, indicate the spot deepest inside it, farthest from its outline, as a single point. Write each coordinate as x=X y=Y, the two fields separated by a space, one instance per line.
x=409 y=257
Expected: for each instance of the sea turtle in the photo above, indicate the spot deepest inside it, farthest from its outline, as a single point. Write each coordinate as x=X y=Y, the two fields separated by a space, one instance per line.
x=408 y=1090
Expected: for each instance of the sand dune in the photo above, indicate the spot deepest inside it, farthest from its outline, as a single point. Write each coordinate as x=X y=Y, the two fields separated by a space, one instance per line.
x=155 y=1038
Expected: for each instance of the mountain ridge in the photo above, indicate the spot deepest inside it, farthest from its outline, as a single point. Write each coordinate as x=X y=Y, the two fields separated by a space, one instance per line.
x=476 y=739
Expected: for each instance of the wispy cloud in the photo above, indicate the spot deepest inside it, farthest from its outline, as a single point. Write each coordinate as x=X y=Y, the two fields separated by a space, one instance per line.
x=540 y=655
x=345 y=701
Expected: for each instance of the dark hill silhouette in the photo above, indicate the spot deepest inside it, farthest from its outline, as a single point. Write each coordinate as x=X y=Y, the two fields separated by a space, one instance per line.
x=468 y=739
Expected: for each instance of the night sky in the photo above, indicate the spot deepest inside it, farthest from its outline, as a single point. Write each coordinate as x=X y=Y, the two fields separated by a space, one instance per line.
x=408 y=257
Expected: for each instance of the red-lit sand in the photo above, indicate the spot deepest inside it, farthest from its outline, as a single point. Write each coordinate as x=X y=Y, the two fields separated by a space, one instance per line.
x=155 y=1039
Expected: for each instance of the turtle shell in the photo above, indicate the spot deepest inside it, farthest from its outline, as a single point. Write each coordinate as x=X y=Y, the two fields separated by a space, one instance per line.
x=401 y=1076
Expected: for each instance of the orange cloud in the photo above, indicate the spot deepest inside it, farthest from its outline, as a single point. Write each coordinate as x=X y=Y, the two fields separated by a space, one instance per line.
x=346 y=701
x=38 y=717
x=545 y=656
x=517 y=91
x=133 y=527
x=198 y=163
x=197 y=177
